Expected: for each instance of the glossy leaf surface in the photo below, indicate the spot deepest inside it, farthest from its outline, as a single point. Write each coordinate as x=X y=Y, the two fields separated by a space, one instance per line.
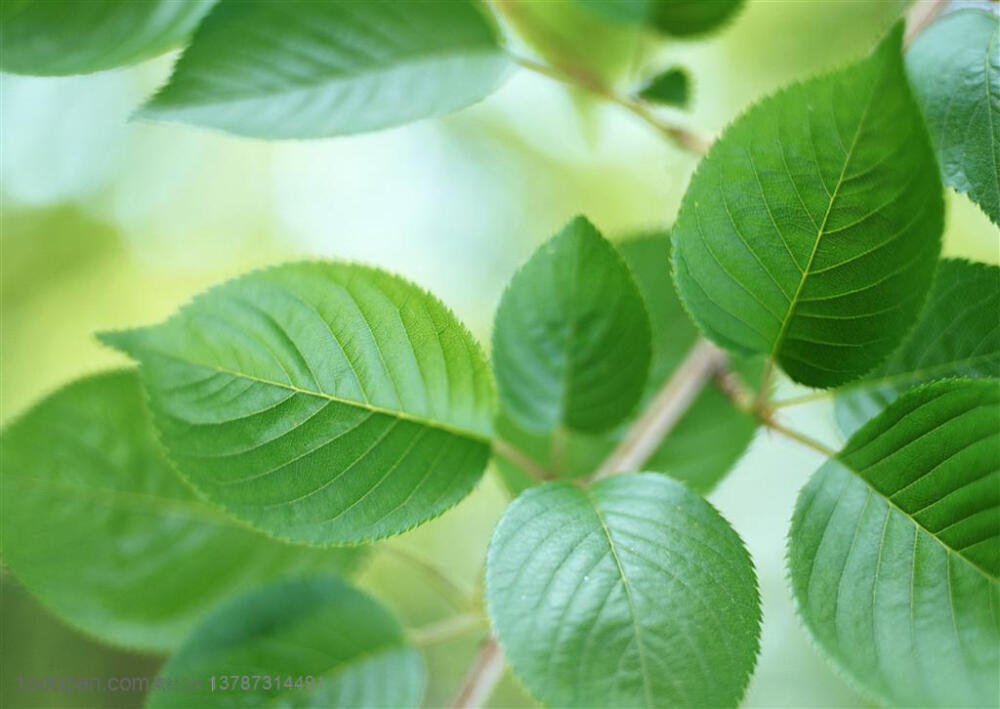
x=633 y=592
x=811 y=230
x=55 y=37
x=349 y=644
x=895 y=549
x=315 y=68
x=957 y=335
x=320 y=402
x=955 y=68
x=100 y=528
x=571 y=340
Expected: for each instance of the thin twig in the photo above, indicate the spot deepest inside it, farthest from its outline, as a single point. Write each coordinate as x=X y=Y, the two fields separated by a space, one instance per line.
x=482 y=677
x=703 y=360
x=455 y=595
x=446 y=629
x=803 y=399
x=800 y=437
x=526 y=463
x=684 y=137
x=919 y=16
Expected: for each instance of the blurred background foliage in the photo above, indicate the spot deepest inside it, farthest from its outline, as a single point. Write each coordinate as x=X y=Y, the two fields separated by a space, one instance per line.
x=107 y=223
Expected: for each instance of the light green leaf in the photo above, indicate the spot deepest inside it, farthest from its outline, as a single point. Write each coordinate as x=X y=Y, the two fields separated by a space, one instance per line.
x=705 y=443
x=633 y=592
x=811 y=230
x=681 y=18
x=669 y=88
x=571 y=341
x=97 y=525
x=895 y=549
x=957 y=335
x=315 y=68
x=323 y=403
x=53 y=37
x=955 y=68
x=349 y=644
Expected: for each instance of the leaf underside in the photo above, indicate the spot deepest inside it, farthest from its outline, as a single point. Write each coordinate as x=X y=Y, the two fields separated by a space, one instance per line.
x=955 y=69
x=895 y=549
x=957 y=335
x=57 y=37
x=681 y=18
x=320 y=402
x=302 y=69
x=311 y=627
x=632 y=592
x=810 y=231
x=88 y=498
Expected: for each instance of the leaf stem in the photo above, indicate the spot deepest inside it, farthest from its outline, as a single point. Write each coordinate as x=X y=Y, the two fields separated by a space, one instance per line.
x=683 y=137
x=702 y=361
x=800 y=437
x=522 y=460
x=448 y=588
x=920 y=15
x=482 y=677
x=804 y=399
x=446 y=629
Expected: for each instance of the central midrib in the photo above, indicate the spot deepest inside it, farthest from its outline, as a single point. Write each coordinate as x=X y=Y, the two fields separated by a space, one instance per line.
x=822 y=227
x=366 y=406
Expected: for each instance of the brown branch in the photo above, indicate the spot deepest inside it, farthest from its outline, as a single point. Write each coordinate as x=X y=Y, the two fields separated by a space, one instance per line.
x=482 y=677
x=684 y=137
x=703 y=360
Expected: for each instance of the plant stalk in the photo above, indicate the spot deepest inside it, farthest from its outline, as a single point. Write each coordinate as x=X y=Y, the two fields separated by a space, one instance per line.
x=525 y=462
x=482 y=677
x=446 y=629
x=702 y=362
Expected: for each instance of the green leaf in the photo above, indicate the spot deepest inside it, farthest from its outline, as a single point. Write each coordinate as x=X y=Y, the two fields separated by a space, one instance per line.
x=323 y=403
x=633 y=592
x=349 y=644
x=895 y=549
x=708 y=439
x=669 y=88
x=571 y=341
x=100 y=528
x=956 y=335
x=54 y=37
x=315 y=68
x=811 y=230
x=955 y=69
x=680 y=18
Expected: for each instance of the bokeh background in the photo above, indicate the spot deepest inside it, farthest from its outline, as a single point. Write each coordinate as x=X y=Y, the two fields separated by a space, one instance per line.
x=106 y=223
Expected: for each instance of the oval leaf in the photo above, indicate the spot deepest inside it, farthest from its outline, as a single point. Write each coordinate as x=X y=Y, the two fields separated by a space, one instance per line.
x=55 y=37
x=88 y=497
x=811 y=230
x=314 y=68
x=320 y=402
x=709 y=438
x=955 y=69
x=634 y=592
x=895 y=549
x=669 y=88
x=681 y=18
x=957 y=335
x=571 y=341
x=303 y=643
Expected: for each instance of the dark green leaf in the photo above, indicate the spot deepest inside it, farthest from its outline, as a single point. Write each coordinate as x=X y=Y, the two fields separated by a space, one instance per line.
x=895 y=549
x=320 y=628
x=100 y=528
x=314 y=68
x=633 y=592
x=955 y=69
x=320 y=402
x=811 y=230
x=669 y=88
x=705 y=443
x=52 y=37
x=957 y=335
x=571 y=341
x=681 y=18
